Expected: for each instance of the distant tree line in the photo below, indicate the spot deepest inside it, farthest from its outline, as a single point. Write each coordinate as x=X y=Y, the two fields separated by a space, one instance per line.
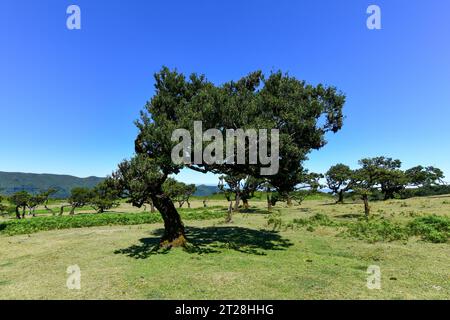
x=381 y=175
x=102 y=197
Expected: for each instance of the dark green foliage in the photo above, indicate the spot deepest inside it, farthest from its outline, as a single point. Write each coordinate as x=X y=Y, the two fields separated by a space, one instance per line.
x=375 y=230
x=302 y=113
x=425 y=176
x=79 y=197
x=3 y=208
x=239 y=188
x=20 y=200
x=339 y=180
x=431 y=228
x=307 y=186
x=179 y=191
x=104 y=196
x=425 y=191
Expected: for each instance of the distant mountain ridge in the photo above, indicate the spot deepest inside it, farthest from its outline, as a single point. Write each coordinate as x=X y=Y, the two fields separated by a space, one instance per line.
x=205 y=190
x=11 y=182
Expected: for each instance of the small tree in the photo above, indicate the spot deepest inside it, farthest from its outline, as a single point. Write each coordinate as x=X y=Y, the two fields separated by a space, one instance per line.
x=179 y=191
x=79 y=197
x=231 y=185
x=366 y=180
x=250 y=186
x=104 y=197
x=33 y=202
x=309 y=182
x=20 y=200
x=46 y=195
x=339 y=178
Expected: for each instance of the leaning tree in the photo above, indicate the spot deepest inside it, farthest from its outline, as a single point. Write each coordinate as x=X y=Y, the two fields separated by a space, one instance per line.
x=79 y=197
x=20 y=199
x=302 y=114
x=371 y=176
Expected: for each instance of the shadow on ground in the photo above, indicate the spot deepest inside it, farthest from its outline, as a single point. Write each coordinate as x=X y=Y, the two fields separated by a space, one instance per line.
x=213 y=240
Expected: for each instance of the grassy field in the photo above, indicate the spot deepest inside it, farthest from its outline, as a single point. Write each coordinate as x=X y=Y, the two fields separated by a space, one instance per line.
x=246 y=259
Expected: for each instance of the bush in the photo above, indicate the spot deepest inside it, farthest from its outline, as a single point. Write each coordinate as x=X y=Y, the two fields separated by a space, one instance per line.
x=376 y=230
x=433 y=228
x=275 y=221
x=26 y=226
x=316 y=220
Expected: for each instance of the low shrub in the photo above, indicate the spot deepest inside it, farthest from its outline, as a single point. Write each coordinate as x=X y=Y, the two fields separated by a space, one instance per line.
x=316 y=220
x=432 y=228
x=32 y=225
x=274 y=220
x=375 y=230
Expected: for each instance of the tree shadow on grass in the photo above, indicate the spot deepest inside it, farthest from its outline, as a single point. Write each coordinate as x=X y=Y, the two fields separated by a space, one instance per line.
x=213 y=240
x=254 y=210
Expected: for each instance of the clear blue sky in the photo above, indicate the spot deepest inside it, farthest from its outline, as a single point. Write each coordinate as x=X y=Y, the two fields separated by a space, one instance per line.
x=68 y=98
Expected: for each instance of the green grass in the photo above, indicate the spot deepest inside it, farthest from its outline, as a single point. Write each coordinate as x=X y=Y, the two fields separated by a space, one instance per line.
x=247 y=259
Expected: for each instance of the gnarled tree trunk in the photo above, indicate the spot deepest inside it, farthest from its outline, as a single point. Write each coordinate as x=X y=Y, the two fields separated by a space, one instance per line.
x=229 y=217
x=366 y=206
x=340 y=196
x=237 y=202
x=17 y=212
x=174 y=233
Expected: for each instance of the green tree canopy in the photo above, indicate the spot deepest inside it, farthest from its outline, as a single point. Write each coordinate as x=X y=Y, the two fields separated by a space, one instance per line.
x=339 y=179
x=425 y=176
x=20 y=199
x=79 y=197
x=302 y=113
x=104 y=196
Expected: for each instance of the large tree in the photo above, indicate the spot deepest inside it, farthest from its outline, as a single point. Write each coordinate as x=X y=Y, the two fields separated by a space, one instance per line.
x=302 y=113
x=339 y=180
